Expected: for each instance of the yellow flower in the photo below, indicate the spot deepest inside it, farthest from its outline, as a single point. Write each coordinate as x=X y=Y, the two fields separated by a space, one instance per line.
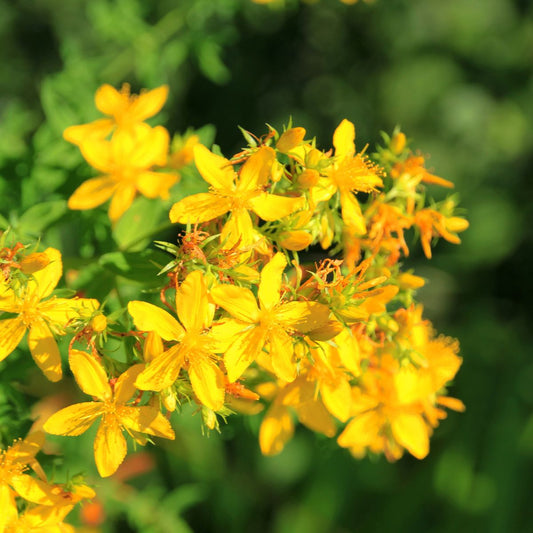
x=125 y=162
x=40 y=519
x=14 y=480
x=351 y=173
x=277 y=426
x=194 y=349
x=112 y=406
x=40 y=315
x=127 y=111
x=234 y=193
x=270 y=323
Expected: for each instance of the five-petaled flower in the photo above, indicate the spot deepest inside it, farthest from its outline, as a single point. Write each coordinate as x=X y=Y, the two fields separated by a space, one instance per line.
x=113 y=407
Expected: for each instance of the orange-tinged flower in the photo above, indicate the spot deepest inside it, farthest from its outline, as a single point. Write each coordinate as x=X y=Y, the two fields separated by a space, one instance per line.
x=126 y=110
x=270 y=323
x=234 y=193
x=126 y=163
x=195 y=346
x=432 y=224
x=113 y=408
x=41 y=315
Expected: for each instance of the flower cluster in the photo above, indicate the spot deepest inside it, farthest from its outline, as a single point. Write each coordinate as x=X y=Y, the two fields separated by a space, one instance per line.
x=30 y=503
x=247 y=319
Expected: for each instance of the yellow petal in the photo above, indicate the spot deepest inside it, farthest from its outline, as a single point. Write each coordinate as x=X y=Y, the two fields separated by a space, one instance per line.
x=153 y=346
x=349 y=351
x=44 y=350
x=303 y=316
x=315 y=416
x=296 y=240
x=124 y=387
x=199 y=208
x=89 y=374
x=337 y=397
x=238 y=232
x=156 y=184
x=192 y=304
x=207 y=381
x=11 y=332
x=109 y=446
x=122 y=199
x=141 y=147
x=147 y=104
x=33 y=490
x=290 y=139
x=162 y=371
x=281 y=350
x=343 y=139
x=270 y=285
x=239 y=302
x=257 y=169
x=74 y=419
x=273 y=206
x=99 y=154
x=351 y=213
x=146 y=419
x=216 y=170
x=109 y=101
x=412 y=433
x=60 y=311
x=148 y=317
x=362 y=431
x=96 y=130
x=243 y=352
x=23 y=451
x=44 y=281
x=9 y=301
x=8 y=505
x=92 y=193
x=276 y=430
x=224 y=334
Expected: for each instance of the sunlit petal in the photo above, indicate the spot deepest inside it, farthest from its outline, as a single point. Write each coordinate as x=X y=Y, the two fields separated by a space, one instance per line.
x=412 y=433
x=192 y=303
x=199 y=208
x=273 y=206
x=216 y=170
x=270 y=285
x=162 y=371
x=90 y=374
x=281 y=349
x=74 y=419
x=11 y=332
x=256 y=171
x=125 y=387
x=109 y=446
x=207 y=381
x=92 y=193
x=343 y=139
x=146 y=419
x=239 y=302
x=44 y=350
x=148 y=317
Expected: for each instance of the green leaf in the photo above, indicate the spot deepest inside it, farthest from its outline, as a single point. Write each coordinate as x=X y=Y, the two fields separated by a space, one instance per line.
x=136 y=228
x=141 y=267
x=39 y=217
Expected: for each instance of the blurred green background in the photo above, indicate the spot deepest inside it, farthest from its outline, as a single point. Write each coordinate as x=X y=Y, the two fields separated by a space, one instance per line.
x=458 y=77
